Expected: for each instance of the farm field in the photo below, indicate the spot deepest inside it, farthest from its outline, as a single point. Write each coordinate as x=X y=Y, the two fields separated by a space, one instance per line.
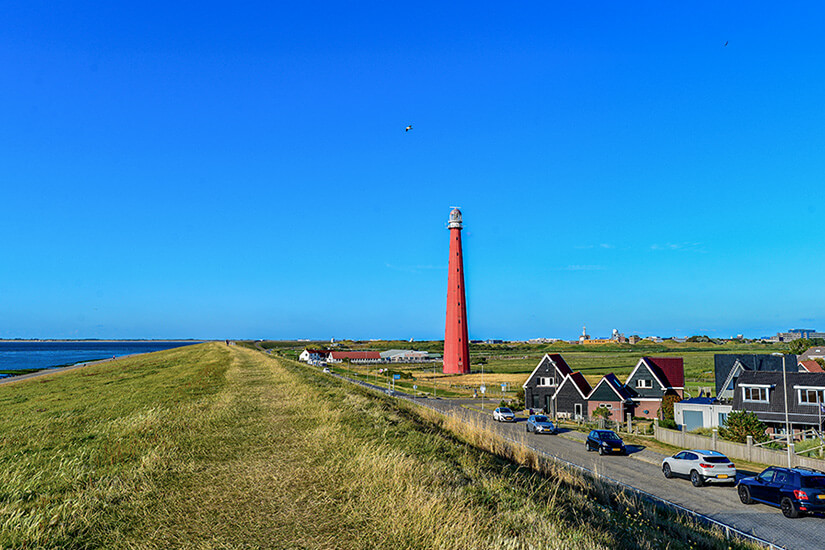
x=505 y=364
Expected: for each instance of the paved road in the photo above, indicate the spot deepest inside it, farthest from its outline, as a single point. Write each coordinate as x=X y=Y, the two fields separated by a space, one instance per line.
x=642 y=470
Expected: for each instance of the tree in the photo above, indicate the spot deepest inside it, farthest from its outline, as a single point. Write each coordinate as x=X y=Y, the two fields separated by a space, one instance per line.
x=602 y=412
x=741 y=424
x=799 y=346
x=666 y=411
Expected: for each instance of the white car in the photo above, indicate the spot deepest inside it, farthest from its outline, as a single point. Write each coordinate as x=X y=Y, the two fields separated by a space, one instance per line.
x=503 y=414
x=700 y=467
x=326 y=370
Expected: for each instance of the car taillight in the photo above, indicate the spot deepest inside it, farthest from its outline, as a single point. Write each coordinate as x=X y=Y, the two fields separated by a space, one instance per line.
x=800 y=495
x=731 y=465
x=706 y=465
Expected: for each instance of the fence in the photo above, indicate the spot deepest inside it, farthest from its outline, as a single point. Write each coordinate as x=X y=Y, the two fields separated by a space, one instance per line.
x=742 y=451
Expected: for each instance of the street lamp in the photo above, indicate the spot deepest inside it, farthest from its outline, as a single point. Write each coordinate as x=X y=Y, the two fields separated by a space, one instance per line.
x=787 y=423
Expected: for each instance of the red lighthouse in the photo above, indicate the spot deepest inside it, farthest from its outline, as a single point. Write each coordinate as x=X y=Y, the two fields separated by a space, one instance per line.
x=456 y=345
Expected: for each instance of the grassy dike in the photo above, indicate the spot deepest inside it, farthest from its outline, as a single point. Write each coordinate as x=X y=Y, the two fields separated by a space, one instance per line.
x=211 y=446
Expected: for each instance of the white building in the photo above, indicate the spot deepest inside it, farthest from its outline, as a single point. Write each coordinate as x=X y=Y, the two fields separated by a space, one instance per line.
x=700 y=412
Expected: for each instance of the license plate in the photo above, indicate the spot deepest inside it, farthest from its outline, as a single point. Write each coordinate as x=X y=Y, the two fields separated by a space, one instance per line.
x=820 y=497
x=616 y=449
x=722 y=476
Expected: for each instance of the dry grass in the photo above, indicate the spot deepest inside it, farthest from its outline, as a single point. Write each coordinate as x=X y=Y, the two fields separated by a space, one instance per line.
x=216 y=447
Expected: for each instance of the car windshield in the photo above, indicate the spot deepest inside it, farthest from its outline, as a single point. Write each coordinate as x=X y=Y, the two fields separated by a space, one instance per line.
x=504 y=410
x=609 y=436
x=813 y=482
x=715 y=459
x=541 y=419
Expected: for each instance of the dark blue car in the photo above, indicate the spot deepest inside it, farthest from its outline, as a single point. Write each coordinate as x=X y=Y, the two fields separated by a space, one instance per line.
x=605 y=441
x=796 y=491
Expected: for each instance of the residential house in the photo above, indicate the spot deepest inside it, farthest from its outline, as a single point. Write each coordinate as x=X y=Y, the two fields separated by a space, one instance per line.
x=612 y=395
x=728 y=366
x=570 y=399
x=701 y=412
x=763 y=393
x=313 y=355
x=653 y=379
x=816 y=352
x=544 y=381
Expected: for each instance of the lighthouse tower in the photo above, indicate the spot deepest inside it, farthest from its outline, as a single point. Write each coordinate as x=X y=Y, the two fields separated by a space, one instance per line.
x=456 y=345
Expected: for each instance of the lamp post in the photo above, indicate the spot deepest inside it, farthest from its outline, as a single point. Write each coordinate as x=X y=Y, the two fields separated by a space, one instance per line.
x=787 y=422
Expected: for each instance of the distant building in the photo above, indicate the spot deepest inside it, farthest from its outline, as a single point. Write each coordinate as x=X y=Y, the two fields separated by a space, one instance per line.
x=634 y=339
x=796 y=334
x=493 y=341
x=354 y=357
x=816 y=352
x=407 y=356
x=313 y=355
x=542 y=340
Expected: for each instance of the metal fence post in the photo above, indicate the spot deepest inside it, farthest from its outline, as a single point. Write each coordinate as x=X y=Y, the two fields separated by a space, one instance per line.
x=750 y=448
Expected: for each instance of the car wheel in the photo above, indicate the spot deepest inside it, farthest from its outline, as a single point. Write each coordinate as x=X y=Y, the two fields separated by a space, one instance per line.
x=601 y=450
x=587 y=446
x=696 y=479
x=745 y=495
x=666 y=471
x=788 y=509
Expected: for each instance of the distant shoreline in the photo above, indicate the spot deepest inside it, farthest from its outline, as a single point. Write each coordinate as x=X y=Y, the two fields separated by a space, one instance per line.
x=105 y=340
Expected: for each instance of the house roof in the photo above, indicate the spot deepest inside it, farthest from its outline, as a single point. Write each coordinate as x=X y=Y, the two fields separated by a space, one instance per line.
x=723 y=364
x=669 y=370
x=811 y=366
x=578 y=379
x=355 y=355
x=558 y=360
x=816 y=351
x=614 y=384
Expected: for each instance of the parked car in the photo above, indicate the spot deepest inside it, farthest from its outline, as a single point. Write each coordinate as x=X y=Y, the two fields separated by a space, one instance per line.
x=540 y=424
x=605 y=441
x=504 y=414
x=796 y=491
x=326 y=370
x=700 y=467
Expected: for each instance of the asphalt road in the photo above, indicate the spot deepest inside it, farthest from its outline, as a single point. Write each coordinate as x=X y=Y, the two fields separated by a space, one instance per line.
x=642 y=470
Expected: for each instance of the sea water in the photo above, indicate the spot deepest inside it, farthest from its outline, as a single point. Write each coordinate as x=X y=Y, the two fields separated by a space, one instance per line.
x=15 y=355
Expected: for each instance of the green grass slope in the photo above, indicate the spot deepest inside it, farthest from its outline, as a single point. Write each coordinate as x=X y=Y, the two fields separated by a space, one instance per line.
x=211 y=446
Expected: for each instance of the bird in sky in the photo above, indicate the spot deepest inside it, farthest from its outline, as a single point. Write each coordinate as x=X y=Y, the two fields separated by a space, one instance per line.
x=726 y=43
x=408 y=128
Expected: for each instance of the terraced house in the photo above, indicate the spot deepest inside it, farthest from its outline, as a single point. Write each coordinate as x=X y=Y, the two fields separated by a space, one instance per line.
x=653 y=379
x=570 y=399
x=763 y=393
x=543 y=382
x=612 y=395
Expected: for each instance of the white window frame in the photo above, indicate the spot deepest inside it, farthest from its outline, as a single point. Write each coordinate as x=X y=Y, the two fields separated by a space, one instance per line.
x=644 y=384
x=605 y=405
x=810 y=394
x=760 y=389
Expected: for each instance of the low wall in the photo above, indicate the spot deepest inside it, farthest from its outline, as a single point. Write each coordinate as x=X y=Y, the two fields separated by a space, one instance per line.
x=733 y=450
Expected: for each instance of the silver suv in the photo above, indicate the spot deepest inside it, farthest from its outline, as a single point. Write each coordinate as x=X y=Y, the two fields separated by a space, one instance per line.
x=700 y=467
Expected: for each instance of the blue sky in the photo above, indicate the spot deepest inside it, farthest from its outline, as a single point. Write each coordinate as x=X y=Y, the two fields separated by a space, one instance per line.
x=241 y=170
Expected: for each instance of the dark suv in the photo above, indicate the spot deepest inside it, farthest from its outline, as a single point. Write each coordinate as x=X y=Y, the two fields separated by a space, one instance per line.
x=795 y=491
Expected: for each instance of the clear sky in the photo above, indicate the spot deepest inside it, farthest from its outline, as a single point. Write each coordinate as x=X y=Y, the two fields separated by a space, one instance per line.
x=241 y=170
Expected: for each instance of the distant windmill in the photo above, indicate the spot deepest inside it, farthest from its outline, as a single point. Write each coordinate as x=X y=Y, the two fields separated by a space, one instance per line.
x=408 y=128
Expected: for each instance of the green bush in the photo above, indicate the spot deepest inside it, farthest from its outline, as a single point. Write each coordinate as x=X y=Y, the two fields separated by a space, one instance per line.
x=668 y=423
x=740 y=425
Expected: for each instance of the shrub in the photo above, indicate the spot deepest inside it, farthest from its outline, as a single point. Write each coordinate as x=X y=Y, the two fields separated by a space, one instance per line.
x=666 y=411
x=741 y=424
x=601 y=412
x=668 y=423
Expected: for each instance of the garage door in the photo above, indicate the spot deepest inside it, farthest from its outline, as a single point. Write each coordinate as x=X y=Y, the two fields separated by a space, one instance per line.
x=693 y=419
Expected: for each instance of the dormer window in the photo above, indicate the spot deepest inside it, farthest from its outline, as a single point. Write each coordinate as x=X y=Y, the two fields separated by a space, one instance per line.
x=546 y=381
x=807 y=395
x=640 y=383
x=755 y=394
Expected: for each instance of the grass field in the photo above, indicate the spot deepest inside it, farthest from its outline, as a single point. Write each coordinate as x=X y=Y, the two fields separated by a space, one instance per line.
x=513 y=363
x=210 y=446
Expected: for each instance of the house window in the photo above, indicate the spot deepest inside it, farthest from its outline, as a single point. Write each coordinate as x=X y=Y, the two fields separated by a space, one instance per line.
x=644 y=383
x=723 y=419
x=577 y=409
x=546 y=381
x=759 y=395
x=605 y=405
x=811 y=397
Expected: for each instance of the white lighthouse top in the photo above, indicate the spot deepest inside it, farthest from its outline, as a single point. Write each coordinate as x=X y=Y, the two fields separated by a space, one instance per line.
x=455 y=219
